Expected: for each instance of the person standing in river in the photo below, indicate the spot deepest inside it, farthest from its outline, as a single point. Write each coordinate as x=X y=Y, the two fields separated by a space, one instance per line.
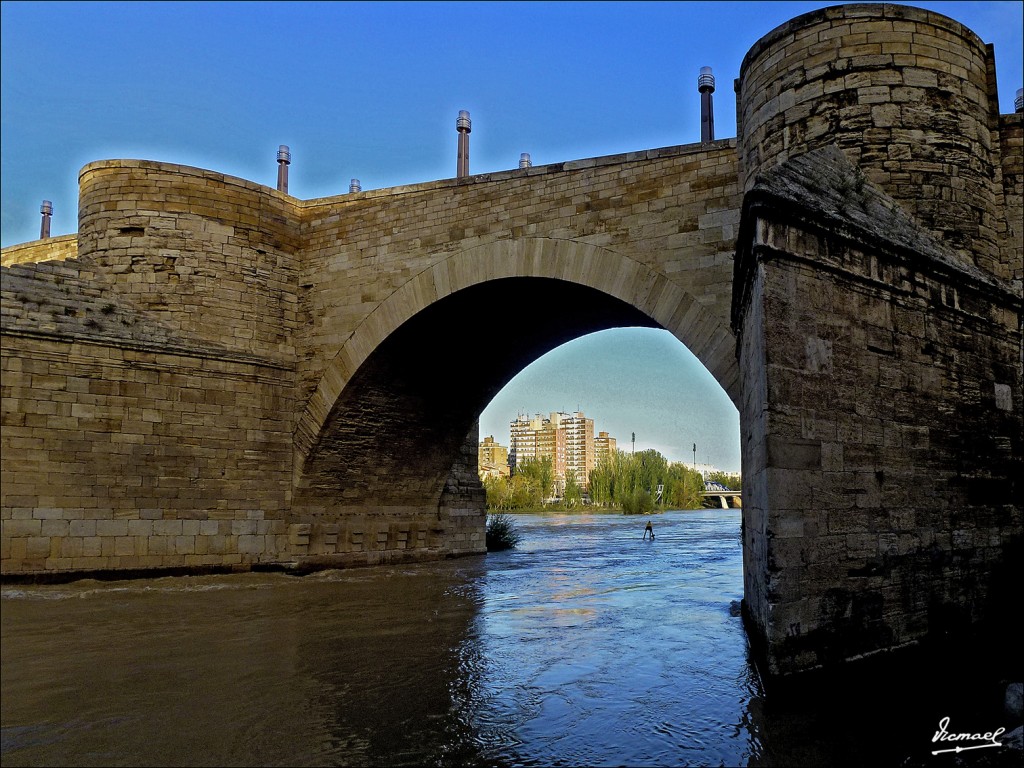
x=649 y=529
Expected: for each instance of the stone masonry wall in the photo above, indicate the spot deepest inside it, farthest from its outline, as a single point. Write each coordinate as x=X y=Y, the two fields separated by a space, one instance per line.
x=117 y=457
x=211 y=256
x=903 y=92
x=206 y=276
x=1011 y=135
x=886 y=490
x=463 y=500
x=758 y=590
x=675 y=209
x=50 y=249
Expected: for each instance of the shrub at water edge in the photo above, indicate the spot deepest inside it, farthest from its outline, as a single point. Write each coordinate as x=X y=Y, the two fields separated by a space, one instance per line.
x=501 y=533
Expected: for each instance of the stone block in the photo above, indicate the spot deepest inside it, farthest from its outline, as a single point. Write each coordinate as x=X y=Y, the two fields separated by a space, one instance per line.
x=21 y=528
x=55 y=528
x=124 y=546
x=793 y=453
x=184 y=545
x=111 y=528
x=299 y=534
x=36 y=547
x=251 y=544
x=243 y=527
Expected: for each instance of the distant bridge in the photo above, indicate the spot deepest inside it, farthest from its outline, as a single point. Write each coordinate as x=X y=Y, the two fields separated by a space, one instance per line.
x=717 y=495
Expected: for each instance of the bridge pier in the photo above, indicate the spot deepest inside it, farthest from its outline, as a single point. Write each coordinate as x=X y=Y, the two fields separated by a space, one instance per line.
x=326 y=534
x=879 y=336
x=730 y=500
x=881 y=420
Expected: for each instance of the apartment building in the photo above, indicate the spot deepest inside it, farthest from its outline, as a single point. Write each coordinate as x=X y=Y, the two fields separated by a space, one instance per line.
x=604 y=447
x=538 y=438
x=567 y=439
x=579 y=447
x=492 y=458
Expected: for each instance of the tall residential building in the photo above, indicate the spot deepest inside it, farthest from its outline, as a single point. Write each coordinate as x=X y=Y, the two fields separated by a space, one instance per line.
x=539 y=438
x=604 y=447
x=492 y=458
x=568 y=440
x=579 y=447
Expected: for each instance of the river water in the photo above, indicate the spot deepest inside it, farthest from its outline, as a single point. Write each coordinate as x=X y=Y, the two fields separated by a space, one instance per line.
x=586 y=645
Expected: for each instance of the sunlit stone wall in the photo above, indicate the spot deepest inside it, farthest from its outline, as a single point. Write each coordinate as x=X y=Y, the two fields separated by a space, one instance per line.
x=119 y=457
x=907 y=94
x=1011 y=145
x=50 y=249
x=201 y=333
x=209 y=256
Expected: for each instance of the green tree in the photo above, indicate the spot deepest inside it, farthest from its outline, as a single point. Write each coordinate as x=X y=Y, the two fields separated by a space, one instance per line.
x=539 y=474
x=638 y=502
x=602 y=480
x=623 y=478
x=573 y=494
x=499 y=492
x=525 y=493
x=691 y=490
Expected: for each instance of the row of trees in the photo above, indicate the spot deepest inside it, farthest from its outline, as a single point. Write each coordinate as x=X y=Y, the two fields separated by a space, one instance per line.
x=641 y=482
x=532 y=483
x=637 y=483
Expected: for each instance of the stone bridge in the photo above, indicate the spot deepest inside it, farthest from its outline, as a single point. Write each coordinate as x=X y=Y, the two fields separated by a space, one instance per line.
x=212 y=374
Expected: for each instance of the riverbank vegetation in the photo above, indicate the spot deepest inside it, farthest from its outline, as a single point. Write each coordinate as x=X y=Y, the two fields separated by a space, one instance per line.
x=501 y=533
x=635 y=483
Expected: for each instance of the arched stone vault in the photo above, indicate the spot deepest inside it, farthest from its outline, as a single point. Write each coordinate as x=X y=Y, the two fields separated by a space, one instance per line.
x=419 y=369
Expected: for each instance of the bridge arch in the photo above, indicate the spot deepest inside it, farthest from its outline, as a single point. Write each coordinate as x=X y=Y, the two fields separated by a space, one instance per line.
x=564 y=288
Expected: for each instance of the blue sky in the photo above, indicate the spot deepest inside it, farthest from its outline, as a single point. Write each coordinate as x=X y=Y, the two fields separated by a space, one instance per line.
x=371 y=91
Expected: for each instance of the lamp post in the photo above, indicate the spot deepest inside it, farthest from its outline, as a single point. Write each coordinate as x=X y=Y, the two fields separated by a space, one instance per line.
x=706 y=86
x=464 y=126
x=46 y=209
x=284 y=159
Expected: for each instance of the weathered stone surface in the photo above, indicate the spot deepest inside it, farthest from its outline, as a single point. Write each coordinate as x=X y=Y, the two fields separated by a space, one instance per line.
x=914 y=109
x=918 y=392
x=213 y=374
x=220 y=353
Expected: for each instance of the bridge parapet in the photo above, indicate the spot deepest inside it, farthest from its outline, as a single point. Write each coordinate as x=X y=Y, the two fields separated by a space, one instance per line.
x=49 y=249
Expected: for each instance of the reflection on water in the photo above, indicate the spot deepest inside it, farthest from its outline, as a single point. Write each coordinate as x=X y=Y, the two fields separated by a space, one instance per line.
x=584 y=646
x=604 y=648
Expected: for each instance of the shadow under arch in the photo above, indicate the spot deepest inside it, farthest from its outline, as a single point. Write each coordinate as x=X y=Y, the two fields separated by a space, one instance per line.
x=394 y=407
